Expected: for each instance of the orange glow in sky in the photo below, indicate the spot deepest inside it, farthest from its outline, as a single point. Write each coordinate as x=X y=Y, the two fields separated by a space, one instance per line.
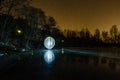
x=77 y=14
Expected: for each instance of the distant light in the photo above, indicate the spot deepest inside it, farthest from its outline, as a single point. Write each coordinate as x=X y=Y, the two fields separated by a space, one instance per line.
x=1 y=54
x=23 y=50
x=49 y=42
x=62 y=51
x=19 y=31
x=62 y=41
x=49 y=56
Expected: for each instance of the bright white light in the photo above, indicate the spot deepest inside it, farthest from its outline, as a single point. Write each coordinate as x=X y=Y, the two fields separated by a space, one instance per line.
x=49 y=56
x=49 y=42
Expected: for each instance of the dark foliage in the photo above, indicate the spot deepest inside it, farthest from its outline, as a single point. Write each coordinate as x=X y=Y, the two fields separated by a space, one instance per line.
x=85 y=39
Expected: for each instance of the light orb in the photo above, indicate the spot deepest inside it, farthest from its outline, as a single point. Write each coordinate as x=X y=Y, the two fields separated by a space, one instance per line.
x=19 y=31
x=49 y=42
x=49 y=56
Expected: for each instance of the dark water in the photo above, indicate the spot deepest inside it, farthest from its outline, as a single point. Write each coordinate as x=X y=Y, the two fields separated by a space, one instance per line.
x=61 y=64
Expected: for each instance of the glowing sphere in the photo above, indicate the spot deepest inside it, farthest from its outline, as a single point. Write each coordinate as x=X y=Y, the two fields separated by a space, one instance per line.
x=49 y=42
x=49 y=56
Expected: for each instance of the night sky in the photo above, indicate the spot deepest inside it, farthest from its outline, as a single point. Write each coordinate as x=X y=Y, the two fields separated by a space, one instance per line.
x=77 y=14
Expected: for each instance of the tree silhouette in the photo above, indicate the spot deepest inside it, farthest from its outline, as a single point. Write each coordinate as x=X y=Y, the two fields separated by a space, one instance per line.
x=8 y=7
x=118 y=38
x=82 y=33
x=1 y=3
x=97 y=35
x=114 y=33
x=36 y=19
x=51 y=21
x=88 y=34
x=105 y=36
x=35 y=26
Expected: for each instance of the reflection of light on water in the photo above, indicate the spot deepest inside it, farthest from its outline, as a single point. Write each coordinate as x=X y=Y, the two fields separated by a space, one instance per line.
x=1 y=54
x=49 y=56
x=62 y=50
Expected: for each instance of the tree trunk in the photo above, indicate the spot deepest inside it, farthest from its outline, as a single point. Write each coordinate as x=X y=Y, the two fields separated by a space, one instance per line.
x=6 y=20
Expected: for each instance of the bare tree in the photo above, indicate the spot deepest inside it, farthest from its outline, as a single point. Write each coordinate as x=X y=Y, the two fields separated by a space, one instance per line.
x=36 y=19
x=104 y=35
x=8 y=7
x=97 y=35
x=51 y=21
x=118 y=39
x=114 y=33
x=88 y=34
x=82 y=33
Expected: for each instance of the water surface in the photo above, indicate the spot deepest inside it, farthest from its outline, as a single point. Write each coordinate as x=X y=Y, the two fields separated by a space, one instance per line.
x=62 y=64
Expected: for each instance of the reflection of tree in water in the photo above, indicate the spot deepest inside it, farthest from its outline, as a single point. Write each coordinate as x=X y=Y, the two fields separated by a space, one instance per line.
x=104 y=60
x=77 y=60
x=84 y=59
x=112 y=64
x=96 y=60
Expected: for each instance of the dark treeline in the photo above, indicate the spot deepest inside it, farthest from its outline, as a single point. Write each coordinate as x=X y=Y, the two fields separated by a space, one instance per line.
x=84 y=38
x=24 y=26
